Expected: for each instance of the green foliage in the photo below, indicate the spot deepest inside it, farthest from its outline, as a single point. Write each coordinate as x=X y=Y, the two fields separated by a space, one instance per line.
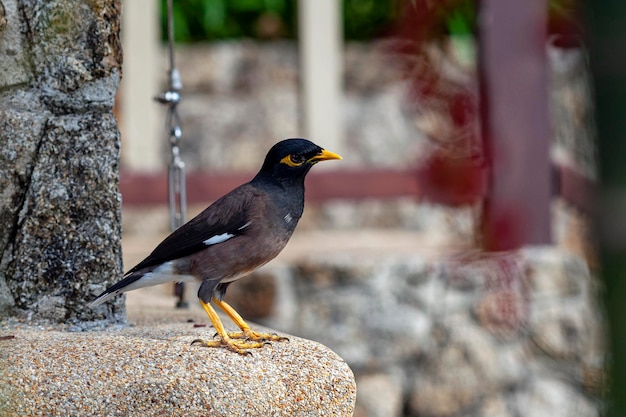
x=199 y=20
x=461 y=20
x=367 y=19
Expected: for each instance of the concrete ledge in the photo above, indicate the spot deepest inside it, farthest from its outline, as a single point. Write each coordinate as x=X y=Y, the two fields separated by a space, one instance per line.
x=152 y=370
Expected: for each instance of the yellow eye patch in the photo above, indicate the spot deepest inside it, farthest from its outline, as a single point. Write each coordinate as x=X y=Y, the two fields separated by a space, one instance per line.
x=289 y=160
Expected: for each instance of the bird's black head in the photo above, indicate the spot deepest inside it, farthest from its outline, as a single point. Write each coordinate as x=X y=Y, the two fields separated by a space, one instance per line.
x=291 y=159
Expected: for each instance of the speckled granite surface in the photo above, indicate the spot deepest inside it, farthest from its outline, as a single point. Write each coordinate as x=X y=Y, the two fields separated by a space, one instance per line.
x=152 y=370
x=149 y=368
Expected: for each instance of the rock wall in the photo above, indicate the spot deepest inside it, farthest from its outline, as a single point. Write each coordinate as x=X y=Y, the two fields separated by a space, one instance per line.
x=239 y=98
x=60 y=203
x=511 y=334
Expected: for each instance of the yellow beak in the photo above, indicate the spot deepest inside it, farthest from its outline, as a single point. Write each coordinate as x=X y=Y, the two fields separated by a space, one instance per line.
x=325 y=156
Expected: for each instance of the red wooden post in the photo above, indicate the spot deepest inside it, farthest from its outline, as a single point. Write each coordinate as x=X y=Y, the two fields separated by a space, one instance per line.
x=514 y=112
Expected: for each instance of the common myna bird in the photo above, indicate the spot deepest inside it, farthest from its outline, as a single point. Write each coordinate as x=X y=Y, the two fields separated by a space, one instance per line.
x=235 y=235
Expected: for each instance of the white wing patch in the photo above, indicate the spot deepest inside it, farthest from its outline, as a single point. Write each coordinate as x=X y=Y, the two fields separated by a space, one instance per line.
x=288 y=218
x=214 y=240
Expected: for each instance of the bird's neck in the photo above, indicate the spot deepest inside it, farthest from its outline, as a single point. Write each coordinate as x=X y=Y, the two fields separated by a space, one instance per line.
x=290 y=184
x=288 y=193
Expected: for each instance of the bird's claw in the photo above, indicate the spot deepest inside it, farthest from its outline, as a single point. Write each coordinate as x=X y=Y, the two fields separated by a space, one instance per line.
x=198 y=341
x=242 y=341
x=236 y=345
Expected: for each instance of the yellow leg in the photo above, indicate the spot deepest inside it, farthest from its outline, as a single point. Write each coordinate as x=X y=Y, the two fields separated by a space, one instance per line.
x=246 y=332
x=238 y=346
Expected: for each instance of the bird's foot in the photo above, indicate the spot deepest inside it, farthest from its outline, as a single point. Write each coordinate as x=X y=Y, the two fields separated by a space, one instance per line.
x=251 y=335
x=236 y=341
x=239 y=346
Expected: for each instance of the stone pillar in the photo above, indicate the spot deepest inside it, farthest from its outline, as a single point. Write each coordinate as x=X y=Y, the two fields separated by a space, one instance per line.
x=60 y=207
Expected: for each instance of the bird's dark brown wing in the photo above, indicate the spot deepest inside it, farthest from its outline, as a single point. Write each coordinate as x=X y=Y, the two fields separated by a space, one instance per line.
x=225 y=219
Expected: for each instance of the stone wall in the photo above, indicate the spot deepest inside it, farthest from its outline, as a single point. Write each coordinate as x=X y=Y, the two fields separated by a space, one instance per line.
x=512 y=334
x=239 y=98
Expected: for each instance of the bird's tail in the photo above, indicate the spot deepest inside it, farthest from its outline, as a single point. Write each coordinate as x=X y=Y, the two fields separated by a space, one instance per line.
x=122 y=286
x=139 y=279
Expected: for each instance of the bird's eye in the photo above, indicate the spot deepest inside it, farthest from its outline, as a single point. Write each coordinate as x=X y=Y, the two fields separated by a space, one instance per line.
x=293 y=160
x=297 y=159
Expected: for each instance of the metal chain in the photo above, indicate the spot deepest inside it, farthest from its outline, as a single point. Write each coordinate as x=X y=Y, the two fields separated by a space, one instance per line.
x=177 y=192
x=176 y=184
x=177 y=197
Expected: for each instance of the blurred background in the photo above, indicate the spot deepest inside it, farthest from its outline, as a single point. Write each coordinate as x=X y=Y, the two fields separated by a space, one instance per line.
x=449 y=258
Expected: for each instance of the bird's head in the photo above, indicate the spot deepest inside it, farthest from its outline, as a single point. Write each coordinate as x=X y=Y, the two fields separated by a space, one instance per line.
x=291 y=159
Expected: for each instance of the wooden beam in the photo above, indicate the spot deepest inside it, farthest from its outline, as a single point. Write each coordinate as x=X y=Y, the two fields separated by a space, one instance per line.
x=151 y=189
x=516 y=132
x=140 y=188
